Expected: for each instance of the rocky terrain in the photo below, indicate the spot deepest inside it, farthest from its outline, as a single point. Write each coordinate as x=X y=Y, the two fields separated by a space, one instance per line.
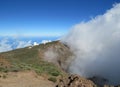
x=42 y=66
x=75 y=81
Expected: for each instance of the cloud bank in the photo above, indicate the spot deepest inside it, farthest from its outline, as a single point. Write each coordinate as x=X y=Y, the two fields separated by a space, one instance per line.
x=8 y=44
x=96 y=45
x=4 y=46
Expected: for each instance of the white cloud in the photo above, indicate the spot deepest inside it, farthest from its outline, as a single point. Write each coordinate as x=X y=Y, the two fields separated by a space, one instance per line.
x=96 y=45
x=8 y=44
x=4 y=46
x=45 y=41
x=22 y=44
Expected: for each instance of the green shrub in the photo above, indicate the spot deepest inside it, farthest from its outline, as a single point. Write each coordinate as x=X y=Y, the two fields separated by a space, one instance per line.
x=2 y=69
x=55 y=73
x=53 y=79
x=6 y=70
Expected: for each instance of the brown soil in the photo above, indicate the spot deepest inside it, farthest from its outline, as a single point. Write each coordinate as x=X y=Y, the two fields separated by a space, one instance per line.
x=23 y=79
x=3 y=62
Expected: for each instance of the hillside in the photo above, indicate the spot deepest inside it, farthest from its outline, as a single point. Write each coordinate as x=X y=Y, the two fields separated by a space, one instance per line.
x=40 y=66
x=34 y=58
x=47 y=60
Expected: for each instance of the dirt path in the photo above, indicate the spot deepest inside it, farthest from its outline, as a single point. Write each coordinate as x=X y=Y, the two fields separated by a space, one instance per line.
x=24 y=79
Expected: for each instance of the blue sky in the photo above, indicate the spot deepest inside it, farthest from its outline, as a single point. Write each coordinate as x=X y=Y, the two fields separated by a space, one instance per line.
x=47 y=17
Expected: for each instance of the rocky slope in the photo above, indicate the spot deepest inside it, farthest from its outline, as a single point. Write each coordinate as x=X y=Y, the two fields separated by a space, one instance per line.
x=75 y=81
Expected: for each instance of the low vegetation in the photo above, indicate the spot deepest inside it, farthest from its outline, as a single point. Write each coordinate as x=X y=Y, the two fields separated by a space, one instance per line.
x=53 y=79
x=30 y=59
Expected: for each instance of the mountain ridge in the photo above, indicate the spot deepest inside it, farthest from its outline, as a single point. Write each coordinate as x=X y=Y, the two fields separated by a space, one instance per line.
x=50 y=60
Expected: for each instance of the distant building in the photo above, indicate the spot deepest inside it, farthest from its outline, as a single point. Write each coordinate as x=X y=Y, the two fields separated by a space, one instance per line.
x=35 y=44
x=29 y=47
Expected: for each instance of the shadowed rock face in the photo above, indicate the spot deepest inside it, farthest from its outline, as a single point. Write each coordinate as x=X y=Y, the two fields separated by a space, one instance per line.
x=100 y=81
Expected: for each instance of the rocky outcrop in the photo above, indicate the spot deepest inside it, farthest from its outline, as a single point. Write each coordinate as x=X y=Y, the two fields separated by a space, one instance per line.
x=75 y=81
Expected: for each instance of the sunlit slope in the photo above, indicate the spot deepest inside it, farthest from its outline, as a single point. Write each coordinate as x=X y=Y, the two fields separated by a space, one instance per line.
x=34 y=58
